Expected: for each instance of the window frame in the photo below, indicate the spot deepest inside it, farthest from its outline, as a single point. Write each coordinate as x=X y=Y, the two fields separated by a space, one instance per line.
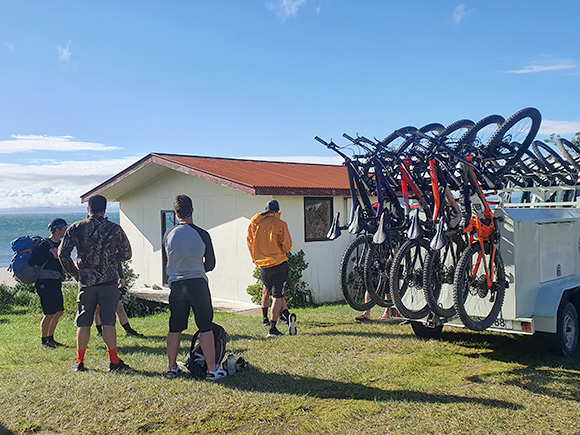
x=328 y=199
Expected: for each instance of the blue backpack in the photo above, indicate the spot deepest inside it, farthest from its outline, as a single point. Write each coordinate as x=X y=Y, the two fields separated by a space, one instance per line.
x=23 y=247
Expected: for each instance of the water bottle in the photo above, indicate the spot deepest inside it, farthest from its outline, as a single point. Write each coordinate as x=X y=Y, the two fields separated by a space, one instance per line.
x=231 y=364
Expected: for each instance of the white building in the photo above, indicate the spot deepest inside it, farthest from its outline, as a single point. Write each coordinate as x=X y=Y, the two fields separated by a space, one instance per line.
x=226 y=193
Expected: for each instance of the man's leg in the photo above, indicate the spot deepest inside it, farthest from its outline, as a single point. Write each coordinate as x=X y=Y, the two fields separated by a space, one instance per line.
x=265 y=305
x=108 y=298
x=173 y=340
x=123 y=319
x=83 y=337
x=122 y=314
x=206 y=341
x=98 y=324
x=45 y=325
x=53 y=323
x=110 y=337
x=277 y=305
x=86 y=304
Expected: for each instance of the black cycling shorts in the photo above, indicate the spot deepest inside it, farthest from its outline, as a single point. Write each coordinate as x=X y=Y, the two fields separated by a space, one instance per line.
x=50 y=293
x=274 y=278
x=190 y=293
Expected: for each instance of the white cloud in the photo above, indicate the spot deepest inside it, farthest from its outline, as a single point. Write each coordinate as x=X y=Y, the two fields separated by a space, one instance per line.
x=460 y=13
x=556 y=65
x=54 y=184
x=61 y=183
x=286 y=8
x=563 y=128
x=26 y=143
x=9 y=47
x=65 y=54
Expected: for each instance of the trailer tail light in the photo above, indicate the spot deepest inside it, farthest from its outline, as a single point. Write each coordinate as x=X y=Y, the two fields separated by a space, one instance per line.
x=526 y=327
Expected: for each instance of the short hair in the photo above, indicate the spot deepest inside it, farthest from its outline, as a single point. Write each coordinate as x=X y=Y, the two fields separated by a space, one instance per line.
x=183 y=206
x=97 y=203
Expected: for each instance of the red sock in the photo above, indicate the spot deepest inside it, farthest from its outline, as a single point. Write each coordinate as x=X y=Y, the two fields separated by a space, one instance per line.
x=113 y=356
x=80 y=355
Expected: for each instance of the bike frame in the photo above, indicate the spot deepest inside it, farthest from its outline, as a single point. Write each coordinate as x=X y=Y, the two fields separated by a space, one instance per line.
x=480 y=231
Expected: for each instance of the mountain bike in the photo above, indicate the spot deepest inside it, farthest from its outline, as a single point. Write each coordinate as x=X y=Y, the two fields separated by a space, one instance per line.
x=479 y=283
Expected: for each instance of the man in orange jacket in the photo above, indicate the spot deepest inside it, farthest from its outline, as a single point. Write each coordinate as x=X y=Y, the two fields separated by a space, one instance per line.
x=268 y=242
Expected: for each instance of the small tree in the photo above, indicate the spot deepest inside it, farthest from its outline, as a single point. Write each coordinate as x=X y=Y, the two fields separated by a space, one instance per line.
x=297 y=293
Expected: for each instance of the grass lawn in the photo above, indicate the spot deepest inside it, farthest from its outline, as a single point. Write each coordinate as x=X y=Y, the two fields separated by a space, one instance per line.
x=335 y=376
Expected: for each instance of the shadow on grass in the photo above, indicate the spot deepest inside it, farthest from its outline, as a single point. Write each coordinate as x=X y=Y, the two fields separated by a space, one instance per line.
x=5 y=431
x=539 y=372
x=327 y=389
x=11 y=309
x=369 y=334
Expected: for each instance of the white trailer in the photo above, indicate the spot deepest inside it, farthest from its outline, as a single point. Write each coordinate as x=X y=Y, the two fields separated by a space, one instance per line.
x=540 y=247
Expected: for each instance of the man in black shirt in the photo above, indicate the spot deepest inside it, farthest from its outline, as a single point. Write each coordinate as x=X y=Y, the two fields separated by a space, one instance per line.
x=49 y=282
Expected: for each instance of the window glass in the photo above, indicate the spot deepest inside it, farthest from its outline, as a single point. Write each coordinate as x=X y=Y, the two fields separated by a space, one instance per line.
x=317 y=218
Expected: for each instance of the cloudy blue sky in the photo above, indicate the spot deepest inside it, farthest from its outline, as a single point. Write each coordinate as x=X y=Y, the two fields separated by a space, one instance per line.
x=87 y=88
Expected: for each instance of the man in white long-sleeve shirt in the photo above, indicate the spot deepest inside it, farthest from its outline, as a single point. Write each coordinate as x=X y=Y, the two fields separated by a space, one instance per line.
x=190 y=255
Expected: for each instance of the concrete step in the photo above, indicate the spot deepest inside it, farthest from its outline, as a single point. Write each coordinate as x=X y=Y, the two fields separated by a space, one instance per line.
x=161 y=295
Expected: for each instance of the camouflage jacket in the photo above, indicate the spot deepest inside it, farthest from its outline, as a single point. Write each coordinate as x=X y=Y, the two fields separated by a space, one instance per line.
x=101 y=246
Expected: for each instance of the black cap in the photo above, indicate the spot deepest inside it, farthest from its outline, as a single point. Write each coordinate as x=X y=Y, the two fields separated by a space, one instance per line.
x=272 y=206
x=57 y=223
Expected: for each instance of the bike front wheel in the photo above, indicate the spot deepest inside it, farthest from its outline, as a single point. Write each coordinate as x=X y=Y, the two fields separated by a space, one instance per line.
x=406 y=281
x=438 y=276
x=352 y=279
x=476 y=303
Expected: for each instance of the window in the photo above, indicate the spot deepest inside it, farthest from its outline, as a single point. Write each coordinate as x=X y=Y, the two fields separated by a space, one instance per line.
x=168 y=221
x=317 y=218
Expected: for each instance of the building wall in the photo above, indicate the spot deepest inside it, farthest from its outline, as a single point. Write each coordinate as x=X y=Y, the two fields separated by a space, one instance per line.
x=226 y=214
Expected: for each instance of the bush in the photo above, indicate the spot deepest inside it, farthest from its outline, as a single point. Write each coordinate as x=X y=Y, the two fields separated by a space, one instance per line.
x=6 y=298
x=297 y=293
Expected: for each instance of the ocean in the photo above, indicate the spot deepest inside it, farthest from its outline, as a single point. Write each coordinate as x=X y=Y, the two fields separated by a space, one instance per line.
x=13 y=226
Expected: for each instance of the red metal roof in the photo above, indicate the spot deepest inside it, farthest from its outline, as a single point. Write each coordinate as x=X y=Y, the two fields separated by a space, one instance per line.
x=256 y=177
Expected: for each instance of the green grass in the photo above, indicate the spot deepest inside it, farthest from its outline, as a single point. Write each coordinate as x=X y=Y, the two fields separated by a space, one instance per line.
x=335 y=376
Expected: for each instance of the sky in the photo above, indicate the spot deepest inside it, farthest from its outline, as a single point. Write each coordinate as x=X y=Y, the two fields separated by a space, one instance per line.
x=88 y=88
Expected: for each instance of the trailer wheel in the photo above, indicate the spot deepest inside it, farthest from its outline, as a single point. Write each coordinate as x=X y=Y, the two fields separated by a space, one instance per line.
x=426 y=332
x=567 y=330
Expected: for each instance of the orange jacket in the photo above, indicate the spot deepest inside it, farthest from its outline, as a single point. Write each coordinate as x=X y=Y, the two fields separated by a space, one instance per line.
x=268 y=240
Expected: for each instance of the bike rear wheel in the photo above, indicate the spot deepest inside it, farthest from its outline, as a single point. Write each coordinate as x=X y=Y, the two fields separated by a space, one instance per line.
x=377 y=269
x=521 y=128
x=570 y=152
x=438 y=276
x=478 y=135
x=477 y=305
x=406 y=283
x=561 y=169
x=352 y=280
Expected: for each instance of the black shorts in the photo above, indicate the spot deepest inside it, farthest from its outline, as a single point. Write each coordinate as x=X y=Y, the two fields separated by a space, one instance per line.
x=50 y=293
x=188 y=293
x=274 y=278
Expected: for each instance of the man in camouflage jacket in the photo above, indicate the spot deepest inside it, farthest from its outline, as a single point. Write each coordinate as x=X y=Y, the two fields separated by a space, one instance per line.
x=101 y=245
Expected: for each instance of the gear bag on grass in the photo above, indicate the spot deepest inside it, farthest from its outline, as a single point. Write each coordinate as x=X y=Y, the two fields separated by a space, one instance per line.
x=196 y=361
x=23 y=247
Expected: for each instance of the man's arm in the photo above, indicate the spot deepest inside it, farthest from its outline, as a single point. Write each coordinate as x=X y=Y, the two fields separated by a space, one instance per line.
x=64 y=251
x=124 y=251
x=209 y=255
x=250 y=239
x=285 y=239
